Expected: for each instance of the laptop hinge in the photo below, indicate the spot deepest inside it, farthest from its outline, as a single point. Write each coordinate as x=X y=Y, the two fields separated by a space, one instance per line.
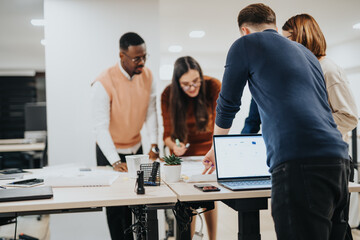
x=245 y=179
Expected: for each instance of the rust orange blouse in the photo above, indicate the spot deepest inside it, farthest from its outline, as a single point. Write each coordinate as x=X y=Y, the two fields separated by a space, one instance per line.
x=200 y=141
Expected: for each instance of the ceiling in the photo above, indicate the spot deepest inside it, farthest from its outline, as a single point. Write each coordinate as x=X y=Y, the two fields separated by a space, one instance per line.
x=219 y=20
x=18 y=38
x=177 y=18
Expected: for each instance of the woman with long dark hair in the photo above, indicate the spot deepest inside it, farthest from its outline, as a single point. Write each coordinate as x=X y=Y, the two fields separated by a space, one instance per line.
x=188 y=110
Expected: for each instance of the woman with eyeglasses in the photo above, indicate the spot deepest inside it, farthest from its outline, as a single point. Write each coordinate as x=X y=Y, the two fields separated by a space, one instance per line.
x=188 y=111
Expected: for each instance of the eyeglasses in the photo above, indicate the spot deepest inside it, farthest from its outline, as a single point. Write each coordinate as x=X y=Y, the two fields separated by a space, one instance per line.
x=137 y=59
x=186 y=86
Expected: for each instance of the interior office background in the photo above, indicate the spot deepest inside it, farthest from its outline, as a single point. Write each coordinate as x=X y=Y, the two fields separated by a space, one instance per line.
x=82 y=40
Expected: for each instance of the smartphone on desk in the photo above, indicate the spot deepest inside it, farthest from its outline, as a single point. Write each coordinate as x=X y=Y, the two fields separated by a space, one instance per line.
x=207 y=187
x=26 y=183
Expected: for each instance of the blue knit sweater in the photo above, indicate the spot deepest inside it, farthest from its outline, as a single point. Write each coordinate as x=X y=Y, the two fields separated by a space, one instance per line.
x=287 y=83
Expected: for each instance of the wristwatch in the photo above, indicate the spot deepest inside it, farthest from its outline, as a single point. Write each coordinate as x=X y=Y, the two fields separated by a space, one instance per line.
x=155 y=149
x=116 y=163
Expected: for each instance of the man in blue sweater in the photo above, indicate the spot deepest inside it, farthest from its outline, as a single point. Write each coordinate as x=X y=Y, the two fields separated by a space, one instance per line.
x=307 y=157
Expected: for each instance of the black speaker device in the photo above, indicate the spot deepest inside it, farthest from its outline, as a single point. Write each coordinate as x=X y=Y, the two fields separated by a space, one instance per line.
x=140 y=183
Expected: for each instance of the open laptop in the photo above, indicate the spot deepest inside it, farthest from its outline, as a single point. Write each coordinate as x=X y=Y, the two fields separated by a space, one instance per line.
x=241 y=162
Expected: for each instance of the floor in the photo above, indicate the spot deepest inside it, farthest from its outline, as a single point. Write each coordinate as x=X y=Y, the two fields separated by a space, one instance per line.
x=34 y=226
x=227 y=226
x=227 y=229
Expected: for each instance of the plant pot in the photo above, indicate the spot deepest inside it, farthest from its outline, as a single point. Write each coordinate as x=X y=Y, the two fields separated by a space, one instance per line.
x=172 y=173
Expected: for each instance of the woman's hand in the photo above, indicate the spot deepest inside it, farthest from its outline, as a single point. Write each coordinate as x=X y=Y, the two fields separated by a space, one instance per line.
x=179 y=150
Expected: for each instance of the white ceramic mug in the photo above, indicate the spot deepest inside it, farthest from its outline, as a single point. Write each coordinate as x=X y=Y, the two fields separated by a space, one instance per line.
x=133 y=163
x=144 y=158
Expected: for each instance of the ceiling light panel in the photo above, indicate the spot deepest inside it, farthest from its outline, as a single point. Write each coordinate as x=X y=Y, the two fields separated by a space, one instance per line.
x=175 y=48
x=197 y=34
x=38 y=22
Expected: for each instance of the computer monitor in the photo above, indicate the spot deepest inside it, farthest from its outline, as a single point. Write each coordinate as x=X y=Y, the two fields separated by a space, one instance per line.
x=35 y=121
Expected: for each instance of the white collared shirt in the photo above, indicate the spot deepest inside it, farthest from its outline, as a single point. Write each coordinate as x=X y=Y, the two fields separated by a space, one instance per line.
x=101 y=120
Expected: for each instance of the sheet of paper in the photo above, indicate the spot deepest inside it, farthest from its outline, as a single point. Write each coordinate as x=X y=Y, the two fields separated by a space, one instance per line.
x=192 y=168
x=71 y=176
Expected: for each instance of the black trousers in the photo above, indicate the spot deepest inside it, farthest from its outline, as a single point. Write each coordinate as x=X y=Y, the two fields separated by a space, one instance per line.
x=310 y=199
x=119 y=218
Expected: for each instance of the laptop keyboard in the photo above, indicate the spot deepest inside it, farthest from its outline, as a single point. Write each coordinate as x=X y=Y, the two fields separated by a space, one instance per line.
x=248 y=183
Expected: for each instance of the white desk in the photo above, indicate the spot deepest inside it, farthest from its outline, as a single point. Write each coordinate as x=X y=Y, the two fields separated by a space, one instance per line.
x=246 y=203
x=19 y=145
x=22 y=147
x=76 y=199
x=187 y=192
x=120 y=193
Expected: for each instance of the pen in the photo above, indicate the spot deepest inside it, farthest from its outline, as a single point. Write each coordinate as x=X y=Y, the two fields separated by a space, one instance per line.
x=2 y=187
x=177 y=142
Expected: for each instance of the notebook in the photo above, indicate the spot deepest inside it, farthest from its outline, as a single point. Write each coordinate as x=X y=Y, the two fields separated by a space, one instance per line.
x=241 y=162
x=21 y=194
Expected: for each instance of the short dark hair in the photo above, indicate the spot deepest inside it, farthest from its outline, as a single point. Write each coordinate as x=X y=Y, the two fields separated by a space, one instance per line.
x=130 y=39
x=256 y=14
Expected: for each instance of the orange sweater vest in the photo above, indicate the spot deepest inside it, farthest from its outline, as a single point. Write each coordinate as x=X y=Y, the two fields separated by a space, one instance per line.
x=129 y=100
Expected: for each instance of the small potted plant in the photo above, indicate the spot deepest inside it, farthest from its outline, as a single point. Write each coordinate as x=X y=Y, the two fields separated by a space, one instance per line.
x=172 y=168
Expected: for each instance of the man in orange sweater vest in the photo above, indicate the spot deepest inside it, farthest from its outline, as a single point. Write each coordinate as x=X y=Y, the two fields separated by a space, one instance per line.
x=123 y=99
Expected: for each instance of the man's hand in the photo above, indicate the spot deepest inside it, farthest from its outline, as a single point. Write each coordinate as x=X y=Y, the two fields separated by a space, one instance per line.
x=120 y=166
x=209 y=159
x=179 y=150
x=209 y=162
x=154 y=152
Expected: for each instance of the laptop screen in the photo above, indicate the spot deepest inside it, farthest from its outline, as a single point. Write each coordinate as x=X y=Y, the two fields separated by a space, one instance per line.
x=240 y=156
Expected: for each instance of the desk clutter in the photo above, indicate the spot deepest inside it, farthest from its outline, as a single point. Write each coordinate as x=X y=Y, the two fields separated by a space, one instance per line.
x=148 y=175
x=151 y=173
x=192 y=168
x=12 y=173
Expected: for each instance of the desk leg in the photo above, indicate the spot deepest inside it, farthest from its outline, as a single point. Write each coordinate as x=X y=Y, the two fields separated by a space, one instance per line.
x=152 y=225
x=248 y=216
x=186 y=209
x=182 y=234
x=249 y=225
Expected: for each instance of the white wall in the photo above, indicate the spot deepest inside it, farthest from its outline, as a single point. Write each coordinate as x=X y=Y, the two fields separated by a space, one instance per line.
x=347 y=55
x=20 y=47
x=82 y=40
x=14 y=60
